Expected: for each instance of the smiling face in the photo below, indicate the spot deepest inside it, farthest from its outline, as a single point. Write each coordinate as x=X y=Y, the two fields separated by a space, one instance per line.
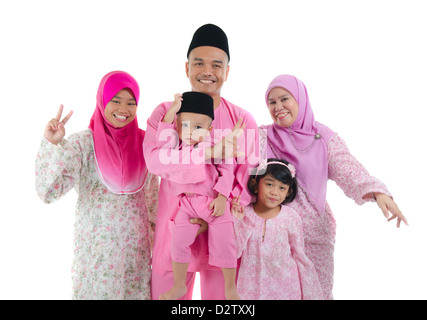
x=121 y=110
x=207 y=68
x=283 y=107
x=193 y=127
x=270 y=192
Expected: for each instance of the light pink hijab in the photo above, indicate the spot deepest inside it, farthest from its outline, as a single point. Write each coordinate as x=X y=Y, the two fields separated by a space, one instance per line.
x=298 y=145
x=118 y=151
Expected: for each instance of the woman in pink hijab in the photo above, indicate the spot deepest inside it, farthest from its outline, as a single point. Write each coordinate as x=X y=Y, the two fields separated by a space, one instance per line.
x=116 y=194
x=318 y=154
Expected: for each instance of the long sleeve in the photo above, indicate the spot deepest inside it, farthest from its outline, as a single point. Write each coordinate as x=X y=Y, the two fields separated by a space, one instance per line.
x=225 y=179
x=349 y=174
x=159 y=156
x=310 y=285
x=57 y=168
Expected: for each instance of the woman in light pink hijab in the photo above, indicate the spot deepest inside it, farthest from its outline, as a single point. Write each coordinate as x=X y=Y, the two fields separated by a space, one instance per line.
x=116 y=194
x=318 y=154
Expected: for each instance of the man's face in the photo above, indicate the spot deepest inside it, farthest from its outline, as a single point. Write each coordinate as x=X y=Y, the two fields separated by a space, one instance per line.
x=207 y=68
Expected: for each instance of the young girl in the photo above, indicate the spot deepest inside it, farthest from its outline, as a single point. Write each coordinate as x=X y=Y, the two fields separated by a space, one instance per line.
x=105 y=165
x=194 y=113
x=270 y=241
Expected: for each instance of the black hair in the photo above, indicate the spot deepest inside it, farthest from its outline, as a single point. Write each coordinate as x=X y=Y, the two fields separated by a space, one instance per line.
x=278 y=172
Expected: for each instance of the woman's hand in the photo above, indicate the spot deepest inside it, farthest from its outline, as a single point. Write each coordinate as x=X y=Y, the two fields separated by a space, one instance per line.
x=387 y=205
x=55 y=130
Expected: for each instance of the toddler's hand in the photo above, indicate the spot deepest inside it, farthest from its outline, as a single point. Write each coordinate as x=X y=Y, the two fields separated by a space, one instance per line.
x=176 y=104
x=171 y=113
x=218 y=205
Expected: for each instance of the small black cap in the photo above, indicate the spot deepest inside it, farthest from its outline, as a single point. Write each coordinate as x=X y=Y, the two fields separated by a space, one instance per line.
x=197 y=102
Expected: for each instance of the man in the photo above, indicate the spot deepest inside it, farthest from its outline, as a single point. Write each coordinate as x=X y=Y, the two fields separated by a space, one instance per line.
x=207 y=69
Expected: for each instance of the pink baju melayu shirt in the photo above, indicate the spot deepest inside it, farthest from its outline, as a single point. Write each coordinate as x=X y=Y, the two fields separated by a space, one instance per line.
x=226 y=116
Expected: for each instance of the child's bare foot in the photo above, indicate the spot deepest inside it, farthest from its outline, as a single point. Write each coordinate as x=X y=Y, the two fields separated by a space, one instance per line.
x=231 y=294
x=174 y=293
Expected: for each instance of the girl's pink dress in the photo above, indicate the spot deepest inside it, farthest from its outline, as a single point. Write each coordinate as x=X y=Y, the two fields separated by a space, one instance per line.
x=273 y=263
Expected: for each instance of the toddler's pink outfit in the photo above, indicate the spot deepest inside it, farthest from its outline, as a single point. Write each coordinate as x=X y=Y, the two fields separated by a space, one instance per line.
x=211 y=277
x=194 y=200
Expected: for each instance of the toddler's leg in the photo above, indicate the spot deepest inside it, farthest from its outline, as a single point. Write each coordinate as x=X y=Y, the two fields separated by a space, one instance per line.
x=222 y=248
x=230 y=284
x=162 y=281
x=179 y=288
x=183 y=235
x=222 y=253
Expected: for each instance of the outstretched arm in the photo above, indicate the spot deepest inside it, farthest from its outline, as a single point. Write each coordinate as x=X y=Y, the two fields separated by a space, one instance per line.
x=352 y=177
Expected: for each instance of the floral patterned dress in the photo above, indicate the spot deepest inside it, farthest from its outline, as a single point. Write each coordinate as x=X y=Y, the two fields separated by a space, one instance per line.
x=320 y=227
x=273 y=264
x=112 y=253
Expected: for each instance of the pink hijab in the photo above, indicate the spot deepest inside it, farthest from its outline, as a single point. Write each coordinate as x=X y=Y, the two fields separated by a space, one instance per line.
x=118 y=151
x=304 y=144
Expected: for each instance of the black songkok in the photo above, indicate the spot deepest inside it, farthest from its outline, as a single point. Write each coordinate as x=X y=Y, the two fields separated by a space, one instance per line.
x=197 y=102
x=210 y=35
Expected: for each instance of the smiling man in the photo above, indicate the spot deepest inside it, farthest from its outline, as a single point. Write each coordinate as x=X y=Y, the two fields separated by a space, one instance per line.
x=207 y=69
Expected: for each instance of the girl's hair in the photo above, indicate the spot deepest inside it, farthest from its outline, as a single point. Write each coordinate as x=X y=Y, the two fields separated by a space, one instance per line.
x=278 y=172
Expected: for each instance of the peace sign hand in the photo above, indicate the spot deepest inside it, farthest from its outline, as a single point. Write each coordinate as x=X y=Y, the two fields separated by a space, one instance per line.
x=236 y=209
x=227 y=147
x=55 y=130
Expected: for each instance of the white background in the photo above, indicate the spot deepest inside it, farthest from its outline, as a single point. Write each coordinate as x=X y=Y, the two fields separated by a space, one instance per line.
x=364 y=65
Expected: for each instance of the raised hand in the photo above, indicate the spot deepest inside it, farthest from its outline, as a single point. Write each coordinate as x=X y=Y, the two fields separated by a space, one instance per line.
x=236 y=208
x=227 y=147
x=176 y=105
x=55 y=130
